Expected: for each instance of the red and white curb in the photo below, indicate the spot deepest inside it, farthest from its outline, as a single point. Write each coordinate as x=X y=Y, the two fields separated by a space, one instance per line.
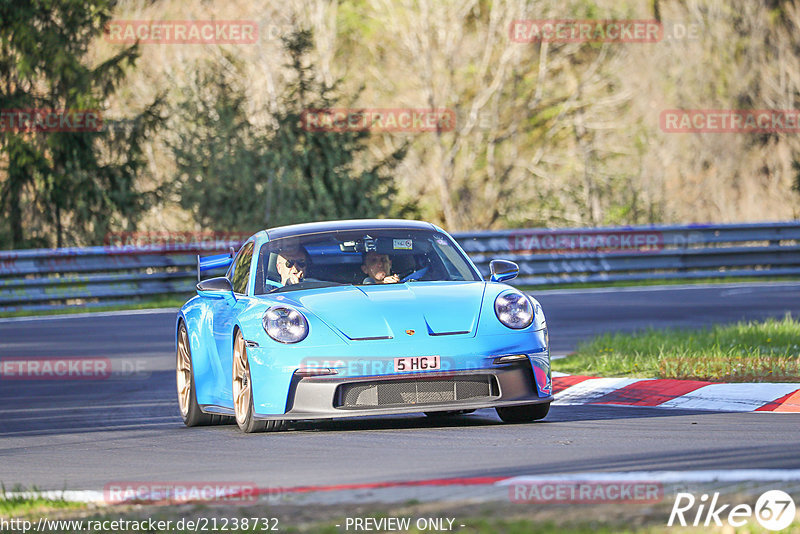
x=681 y=394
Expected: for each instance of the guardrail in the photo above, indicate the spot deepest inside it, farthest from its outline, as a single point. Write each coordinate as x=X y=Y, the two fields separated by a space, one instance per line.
x=550 y=257
x=116 y=274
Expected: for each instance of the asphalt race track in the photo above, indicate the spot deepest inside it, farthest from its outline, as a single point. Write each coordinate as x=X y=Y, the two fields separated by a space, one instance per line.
x=84 y=434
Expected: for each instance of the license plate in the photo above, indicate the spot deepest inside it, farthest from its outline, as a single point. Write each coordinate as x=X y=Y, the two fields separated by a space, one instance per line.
x=417 y=363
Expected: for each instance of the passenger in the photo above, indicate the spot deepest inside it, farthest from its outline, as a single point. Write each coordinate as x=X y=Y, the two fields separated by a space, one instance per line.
x=291 y=266
x=377 y=268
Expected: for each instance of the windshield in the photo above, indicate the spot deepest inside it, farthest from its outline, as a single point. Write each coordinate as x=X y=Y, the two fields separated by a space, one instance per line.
x=363 y=257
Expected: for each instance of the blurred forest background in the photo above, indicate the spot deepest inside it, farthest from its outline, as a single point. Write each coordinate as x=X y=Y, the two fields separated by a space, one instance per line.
x=207 y=137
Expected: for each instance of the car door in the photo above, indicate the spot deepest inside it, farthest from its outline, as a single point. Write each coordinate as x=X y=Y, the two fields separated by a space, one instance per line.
x=224 y=320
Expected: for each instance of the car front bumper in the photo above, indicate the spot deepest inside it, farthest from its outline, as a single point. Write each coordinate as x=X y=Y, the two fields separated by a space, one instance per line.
x=330 y=397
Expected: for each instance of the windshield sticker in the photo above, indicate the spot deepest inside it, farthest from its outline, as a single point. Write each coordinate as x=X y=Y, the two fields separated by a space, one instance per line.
x=401 y=244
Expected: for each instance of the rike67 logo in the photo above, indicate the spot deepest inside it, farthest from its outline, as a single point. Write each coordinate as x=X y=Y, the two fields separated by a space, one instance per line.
x=774 y=510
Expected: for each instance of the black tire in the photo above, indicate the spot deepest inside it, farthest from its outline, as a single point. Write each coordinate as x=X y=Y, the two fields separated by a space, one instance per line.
x=523 y=414
x=187 y=394
x=243 y=407
x=448 y=413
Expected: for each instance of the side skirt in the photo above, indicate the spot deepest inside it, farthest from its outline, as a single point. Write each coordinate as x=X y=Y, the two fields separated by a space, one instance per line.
x=217 y=410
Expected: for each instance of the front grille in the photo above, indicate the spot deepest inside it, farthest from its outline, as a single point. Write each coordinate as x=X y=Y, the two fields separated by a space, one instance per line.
x=406 y=392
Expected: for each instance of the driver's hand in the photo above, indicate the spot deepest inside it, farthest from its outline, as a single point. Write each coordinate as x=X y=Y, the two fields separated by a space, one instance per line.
x=392 y=279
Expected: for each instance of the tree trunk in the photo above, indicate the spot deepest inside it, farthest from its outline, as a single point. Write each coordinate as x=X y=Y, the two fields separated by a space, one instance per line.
x=59 y=229
x=15 y=218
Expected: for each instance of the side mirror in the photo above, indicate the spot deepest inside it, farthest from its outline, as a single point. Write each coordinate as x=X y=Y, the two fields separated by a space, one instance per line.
x=503 y=270
x=215 y=288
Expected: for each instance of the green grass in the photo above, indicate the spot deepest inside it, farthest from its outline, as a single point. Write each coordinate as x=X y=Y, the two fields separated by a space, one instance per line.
x=502 y=517
x=17 y=506
x=169 y=301
x=767 y=351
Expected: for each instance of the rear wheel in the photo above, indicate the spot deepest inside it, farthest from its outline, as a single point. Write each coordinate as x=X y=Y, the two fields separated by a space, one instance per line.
x=187 y=393
x=523 y=414
x=243 y=393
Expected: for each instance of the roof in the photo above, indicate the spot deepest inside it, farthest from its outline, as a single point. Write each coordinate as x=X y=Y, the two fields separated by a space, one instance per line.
x=353 y=224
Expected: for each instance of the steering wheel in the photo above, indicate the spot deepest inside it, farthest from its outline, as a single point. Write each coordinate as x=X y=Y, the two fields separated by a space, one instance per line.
x=272 y=283
x=414 y=275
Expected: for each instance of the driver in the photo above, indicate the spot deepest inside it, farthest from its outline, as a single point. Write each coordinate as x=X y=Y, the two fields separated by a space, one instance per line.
x=291 y=266
x=377 y=268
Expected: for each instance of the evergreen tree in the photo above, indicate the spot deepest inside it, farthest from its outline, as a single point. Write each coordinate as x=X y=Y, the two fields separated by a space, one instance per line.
x=219 y=153
x=64 y=187
x=237 y=176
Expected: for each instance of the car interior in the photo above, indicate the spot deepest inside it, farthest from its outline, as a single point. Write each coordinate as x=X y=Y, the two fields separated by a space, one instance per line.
x=336 y=263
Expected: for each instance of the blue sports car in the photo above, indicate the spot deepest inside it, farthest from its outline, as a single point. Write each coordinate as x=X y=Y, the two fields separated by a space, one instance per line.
x=352 y=318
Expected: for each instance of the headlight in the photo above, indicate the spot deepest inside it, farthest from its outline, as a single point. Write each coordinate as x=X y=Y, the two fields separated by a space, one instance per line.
x=514 y=310
x=285 y=324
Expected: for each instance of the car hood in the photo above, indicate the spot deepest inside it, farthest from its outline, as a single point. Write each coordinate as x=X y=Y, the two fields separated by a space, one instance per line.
x=382 y=311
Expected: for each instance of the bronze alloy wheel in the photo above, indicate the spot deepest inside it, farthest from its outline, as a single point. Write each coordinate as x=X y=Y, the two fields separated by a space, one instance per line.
x=243 y=392
x=241 y=381
x=184 y=372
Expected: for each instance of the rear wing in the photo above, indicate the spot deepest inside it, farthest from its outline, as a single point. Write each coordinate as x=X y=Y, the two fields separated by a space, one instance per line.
x=214 y=262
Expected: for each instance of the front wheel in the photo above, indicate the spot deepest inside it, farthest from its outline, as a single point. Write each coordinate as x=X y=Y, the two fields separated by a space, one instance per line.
x=523 y=414
x=243 y=393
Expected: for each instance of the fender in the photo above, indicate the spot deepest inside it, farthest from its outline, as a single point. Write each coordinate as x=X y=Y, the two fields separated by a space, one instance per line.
x=206 y=369
x=271 y=370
